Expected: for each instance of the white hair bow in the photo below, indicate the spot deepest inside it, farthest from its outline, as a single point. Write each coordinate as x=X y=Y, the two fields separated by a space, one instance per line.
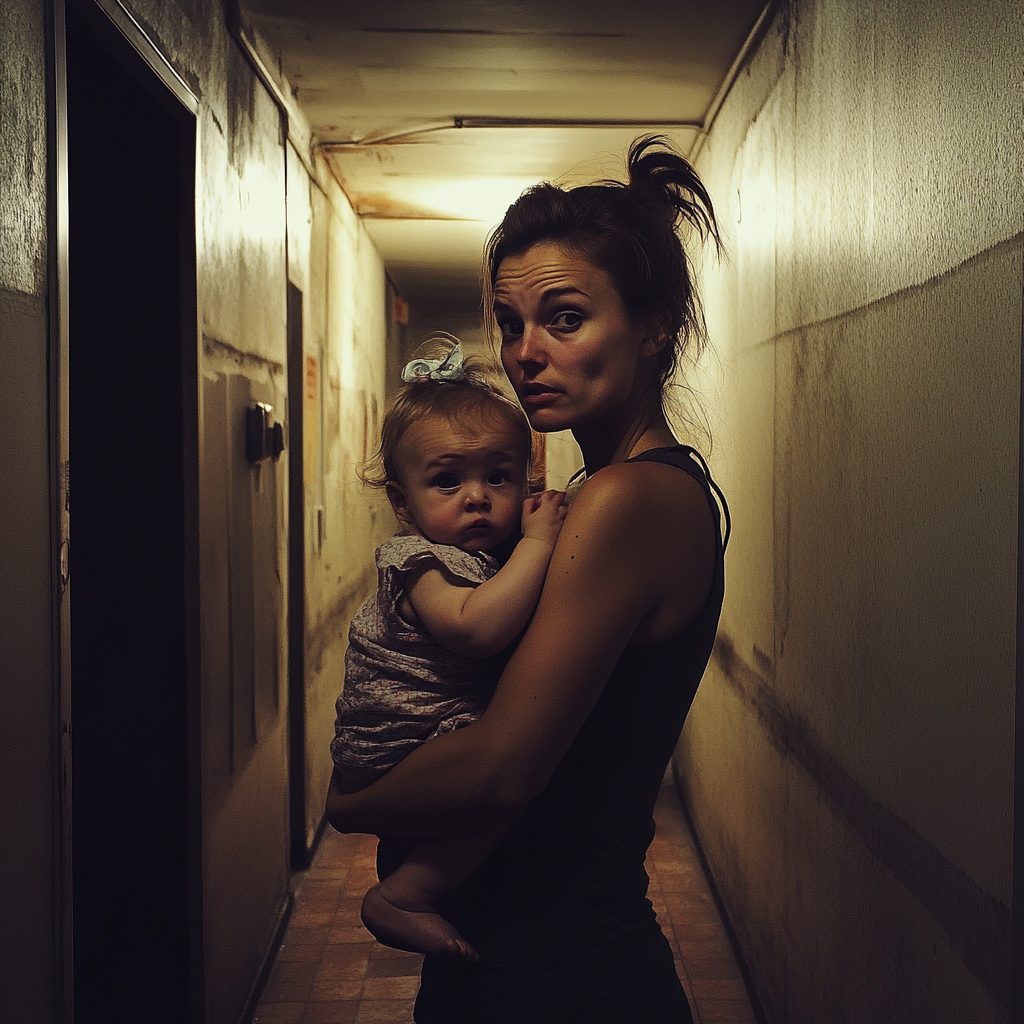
x=448 y=368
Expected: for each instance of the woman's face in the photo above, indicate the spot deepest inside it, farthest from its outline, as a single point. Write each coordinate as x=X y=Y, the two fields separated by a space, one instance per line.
x=568 y=347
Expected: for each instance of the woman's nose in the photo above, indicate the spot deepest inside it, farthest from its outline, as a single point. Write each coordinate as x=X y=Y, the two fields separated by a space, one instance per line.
x=531 y=348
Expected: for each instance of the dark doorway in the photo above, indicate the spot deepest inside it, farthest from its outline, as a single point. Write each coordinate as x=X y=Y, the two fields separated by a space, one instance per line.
x=132 y=381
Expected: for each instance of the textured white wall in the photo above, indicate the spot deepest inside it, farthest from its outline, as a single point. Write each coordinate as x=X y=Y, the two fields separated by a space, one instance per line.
x=850 y=757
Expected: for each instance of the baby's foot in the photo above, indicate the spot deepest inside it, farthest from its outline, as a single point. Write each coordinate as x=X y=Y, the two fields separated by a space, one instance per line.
x=415 y=927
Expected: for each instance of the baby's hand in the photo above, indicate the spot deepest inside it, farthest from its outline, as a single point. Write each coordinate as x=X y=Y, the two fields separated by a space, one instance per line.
x=543 y=515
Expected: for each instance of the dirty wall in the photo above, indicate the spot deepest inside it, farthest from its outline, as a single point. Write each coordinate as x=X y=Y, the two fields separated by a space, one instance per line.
x=849 y=758
x=267 y=215
x=265 y=222
x=345 y=392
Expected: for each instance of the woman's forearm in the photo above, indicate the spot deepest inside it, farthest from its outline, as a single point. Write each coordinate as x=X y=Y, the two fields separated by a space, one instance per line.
x=475 y=776
x=447 y=787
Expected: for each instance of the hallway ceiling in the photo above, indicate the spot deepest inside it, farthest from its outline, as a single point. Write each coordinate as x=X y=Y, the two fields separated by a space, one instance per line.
x=435 y=114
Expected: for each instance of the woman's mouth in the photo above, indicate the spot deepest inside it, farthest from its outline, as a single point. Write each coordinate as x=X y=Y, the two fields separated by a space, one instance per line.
x=537 y=395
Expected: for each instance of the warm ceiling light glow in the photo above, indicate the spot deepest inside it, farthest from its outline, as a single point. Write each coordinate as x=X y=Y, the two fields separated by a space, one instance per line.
x=485 y=199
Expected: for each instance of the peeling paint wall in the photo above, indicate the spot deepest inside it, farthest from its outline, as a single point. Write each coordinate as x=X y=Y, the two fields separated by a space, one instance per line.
x=849 y=758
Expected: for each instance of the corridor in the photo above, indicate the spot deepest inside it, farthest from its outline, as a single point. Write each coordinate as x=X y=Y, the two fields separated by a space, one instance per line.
x=227 y=225
x=330 y=971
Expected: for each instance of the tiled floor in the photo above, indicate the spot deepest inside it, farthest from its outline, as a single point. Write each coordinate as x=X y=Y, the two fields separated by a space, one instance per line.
x=330 y=971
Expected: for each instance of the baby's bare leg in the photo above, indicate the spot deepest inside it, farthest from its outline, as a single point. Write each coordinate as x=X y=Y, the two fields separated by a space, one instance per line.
x=400 y=911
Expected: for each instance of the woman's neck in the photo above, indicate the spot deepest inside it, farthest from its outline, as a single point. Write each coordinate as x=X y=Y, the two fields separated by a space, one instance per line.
x=607 y=442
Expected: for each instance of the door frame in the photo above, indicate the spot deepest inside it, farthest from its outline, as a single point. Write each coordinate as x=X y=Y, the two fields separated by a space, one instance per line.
x=129 y=45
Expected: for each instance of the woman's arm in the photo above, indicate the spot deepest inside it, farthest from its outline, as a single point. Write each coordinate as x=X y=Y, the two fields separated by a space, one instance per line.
x=634 y=561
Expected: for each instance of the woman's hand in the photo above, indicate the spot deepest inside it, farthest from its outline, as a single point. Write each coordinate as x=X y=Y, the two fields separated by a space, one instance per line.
x=634 y=562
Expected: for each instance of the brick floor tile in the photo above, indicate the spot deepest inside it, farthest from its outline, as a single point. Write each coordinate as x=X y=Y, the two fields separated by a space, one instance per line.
x=282 y=990
x=303 y=934
x=334 y=986
x=385 y=1011
x=391 y=988
x=400 y=965
x=352 y=956
x=352 y=966
x=300 y=952
x=348 y=931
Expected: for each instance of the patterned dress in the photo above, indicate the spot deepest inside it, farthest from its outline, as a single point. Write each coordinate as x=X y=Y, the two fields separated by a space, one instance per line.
x=401 y=686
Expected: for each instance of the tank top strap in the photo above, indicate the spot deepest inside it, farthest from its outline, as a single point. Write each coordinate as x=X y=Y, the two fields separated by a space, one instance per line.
x=692 y=462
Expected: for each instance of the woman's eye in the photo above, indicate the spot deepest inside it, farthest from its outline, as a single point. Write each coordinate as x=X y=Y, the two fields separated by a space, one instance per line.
x=446 y=481
x=567 y=319
x=510 y=329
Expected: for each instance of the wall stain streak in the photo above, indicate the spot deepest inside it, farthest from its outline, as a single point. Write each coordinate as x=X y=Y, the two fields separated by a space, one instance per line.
x=978 y=926
x=214 y=346
x=1011 y=244
x=334 y=623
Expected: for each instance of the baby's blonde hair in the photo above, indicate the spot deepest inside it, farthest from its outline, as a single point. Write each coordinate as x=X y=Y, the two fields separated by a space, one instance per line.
x=470 y=399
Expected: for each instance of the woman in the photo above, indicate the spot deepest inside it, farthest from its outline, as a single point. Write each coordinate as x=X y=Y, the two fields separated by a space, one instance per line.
x=592 y=295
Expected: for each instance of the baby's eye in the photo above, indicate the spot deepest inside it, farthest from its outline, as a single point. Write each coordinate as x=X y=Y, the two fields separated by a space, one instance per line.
x=446 y=481
x=510 y=328
x=567 y=320
x=496 y=477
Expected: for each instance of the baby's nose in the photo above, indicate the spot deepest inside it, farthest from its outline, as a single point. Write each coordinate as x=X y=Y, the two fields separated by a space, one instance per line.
x=477 y=497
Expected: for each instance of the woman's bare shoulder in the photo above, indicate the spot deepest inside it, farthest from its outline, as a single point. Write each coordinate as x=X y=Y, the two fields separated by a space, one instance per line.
x=649 y=494
x=649 y=527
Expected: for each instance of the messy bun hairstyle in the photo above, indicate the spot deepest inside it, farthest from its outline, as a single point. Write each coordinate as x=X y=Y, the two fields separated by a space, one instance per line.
x=630 y=232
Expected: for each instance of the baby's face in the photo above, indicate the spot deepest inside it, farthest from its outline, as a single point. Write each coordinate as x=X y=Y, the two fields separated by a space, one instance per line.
x=456 y=488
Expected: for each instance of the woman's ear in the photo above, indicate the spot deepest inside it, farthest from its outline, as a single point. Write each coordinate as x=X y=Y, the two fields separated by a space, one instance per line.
x=655 y=337
x=399 y=504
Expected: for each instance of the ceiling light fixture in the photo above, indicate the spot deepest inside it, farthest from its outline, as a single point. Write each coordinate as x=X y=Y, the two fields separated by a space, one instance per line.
x=455 y=123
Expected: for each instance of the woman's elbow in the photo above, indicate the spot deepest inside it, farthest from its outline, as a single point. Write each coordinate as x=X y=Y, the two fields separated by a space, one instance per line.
x=339 y=810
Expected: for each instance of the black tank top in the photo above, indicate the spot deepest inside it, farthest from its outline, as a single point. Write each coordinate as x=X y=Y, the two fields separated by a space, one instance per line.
x=559 y=911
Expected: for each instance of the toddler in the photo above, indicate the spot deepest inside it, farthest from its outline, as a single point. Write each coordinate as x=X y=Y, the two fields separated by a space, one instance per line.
x=454 y=460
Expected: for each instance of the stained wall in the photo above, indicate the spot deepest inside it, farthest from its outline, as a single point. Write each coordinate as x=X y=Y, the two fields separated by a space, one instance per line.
x=849 y=758
x=347 y=342
x=266 y=214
